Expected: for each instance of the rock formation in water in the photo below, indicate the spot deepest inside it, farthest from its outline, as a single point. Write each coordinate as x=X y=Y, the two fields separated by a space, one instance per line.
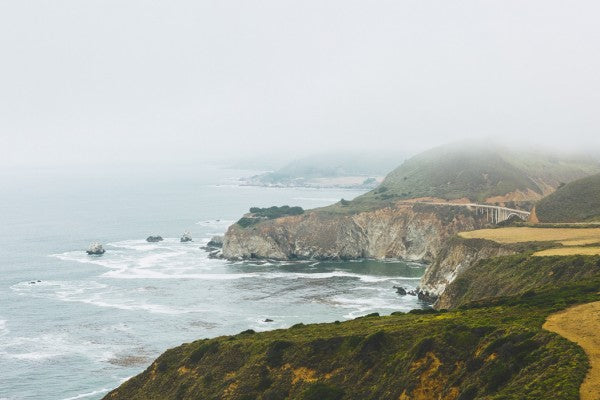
x=154 y=239
x=186 y=237
x=95 y=249
x=216 y=242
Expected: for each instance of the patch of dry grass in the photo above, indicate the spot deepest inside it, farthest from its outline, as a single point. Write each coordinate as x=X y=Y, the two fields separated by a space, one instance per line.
x=569 y=251
x=580 y=324
x=565 y=236
x=581 y=242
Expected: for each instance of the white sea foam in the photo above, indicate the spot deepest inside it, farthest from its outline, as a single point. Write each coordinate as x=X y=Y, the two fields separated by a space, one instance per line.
x=333 y=274
x=97 y=294
x=88 y=394
x=134 y=273
x=3 y=329
x=51 y=346
x=365 y=305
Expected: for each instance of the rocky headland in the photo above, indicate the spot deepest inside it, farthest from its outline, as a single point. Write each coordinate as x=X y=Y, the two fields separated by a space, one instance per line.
x=403 y=230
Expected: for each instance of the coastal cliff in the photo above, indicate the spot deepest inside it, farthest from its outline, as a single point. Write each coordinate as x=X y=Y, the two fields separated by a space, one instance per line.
x=383 y=223
x=402 y=230
x=456 y=257
x=520 y=274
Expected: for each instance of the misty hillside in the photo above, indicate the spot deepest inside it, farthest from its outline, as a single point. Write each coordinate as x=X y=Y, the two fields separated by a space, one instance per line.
x=578 y=201
x=307 y=170
x=481 y=174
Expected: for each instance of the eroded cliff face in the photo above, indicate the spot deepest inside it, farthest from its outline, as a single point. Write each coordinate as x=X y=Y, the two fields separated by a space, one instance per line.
x=454 y=259
x=407 y=231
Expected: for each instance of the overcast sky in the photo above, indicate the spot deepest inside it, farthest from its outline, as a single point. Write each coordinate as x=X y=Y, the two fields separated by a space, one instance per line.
x=125 y=81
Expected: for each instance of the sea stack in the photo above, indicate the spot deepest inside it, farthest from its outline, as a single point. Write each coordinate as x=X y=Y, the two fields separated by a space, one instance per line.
x=95 y=249
x=216 y=242
x=186 y=237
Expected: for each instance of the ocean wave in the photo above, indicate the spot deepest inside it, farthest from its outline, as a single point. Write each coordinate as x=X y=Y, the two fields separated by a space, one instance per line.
x=137 y=259
x=97 y=294
x=365 y=305
x=88 y=394
x=129 y=255
x=3 y=329
x=334 y=274
x=136 y=273
x=145 y=273
x=51 y=346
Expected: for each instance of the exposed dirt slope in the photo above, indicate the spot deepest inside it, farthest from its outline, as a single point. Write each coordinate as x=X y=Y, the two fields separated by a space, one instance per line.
x=581 y=324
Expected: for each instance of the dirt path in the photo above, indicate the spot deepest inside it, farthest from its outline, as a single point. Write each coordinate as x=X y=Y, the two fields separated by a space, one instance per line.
x=581 y=324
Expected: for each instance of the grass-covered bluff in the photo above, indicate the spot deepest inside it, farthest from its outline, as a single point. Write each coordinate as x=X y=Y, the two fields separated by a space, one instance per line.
x=258 y=214
x=517 y=274
x=578 y=201
x=491 y=349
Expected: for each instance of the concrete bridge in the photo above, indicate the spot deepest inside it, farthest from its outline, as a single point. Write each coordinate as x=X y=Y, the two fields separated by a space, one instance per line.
x=497 y=214
x=494 y=214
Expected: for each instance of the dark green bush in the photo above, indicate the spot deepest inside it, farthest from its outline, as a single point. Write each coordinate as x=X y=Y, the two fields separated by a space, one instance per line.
x=322 y=391
x=203 y=349
x=259 y=214
x=275 y=352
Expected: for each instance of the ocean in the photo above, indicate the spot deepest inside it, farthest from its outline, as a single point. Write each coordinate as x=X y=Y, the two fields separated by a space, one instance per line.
x=74 y=326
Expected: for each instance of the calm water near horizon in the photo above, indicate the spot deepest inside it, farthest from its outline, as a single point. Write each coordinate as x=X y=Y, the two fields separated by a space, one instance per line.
x=92 y=322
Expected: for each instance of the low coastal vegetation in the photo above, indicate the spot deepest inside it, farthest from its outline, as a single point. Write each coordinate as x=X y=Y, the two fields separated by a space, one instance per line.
x=258 y=214
x=492 y=349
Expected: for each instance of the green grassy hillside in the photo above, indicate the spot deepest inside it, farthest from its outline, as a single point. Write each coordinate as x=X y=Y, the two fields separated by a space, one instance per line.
x=578 y=201
x=493 y=350
x=477 y=171
x=518 y=275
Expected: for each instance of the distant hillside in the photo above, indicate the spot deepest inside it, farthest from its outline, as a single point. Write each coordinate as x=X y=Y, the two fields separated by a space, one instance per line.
x=350 y=169
x=578 y=201
x=480 y=173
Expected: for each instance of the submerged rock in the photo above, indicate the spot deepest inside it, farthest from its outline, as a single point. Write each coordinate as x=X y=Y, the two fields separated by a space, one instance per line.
x=215 y=254
x=426 y=296
x=95 y=249
x=186 y=237
x=154 y=239
x=400 y=290
x=268 y=320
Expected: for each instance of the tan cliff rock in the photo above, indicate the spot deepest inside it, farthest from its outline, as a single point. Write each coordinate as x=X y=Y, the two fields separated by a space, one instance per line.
x=455 y=258
x=407 y=231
